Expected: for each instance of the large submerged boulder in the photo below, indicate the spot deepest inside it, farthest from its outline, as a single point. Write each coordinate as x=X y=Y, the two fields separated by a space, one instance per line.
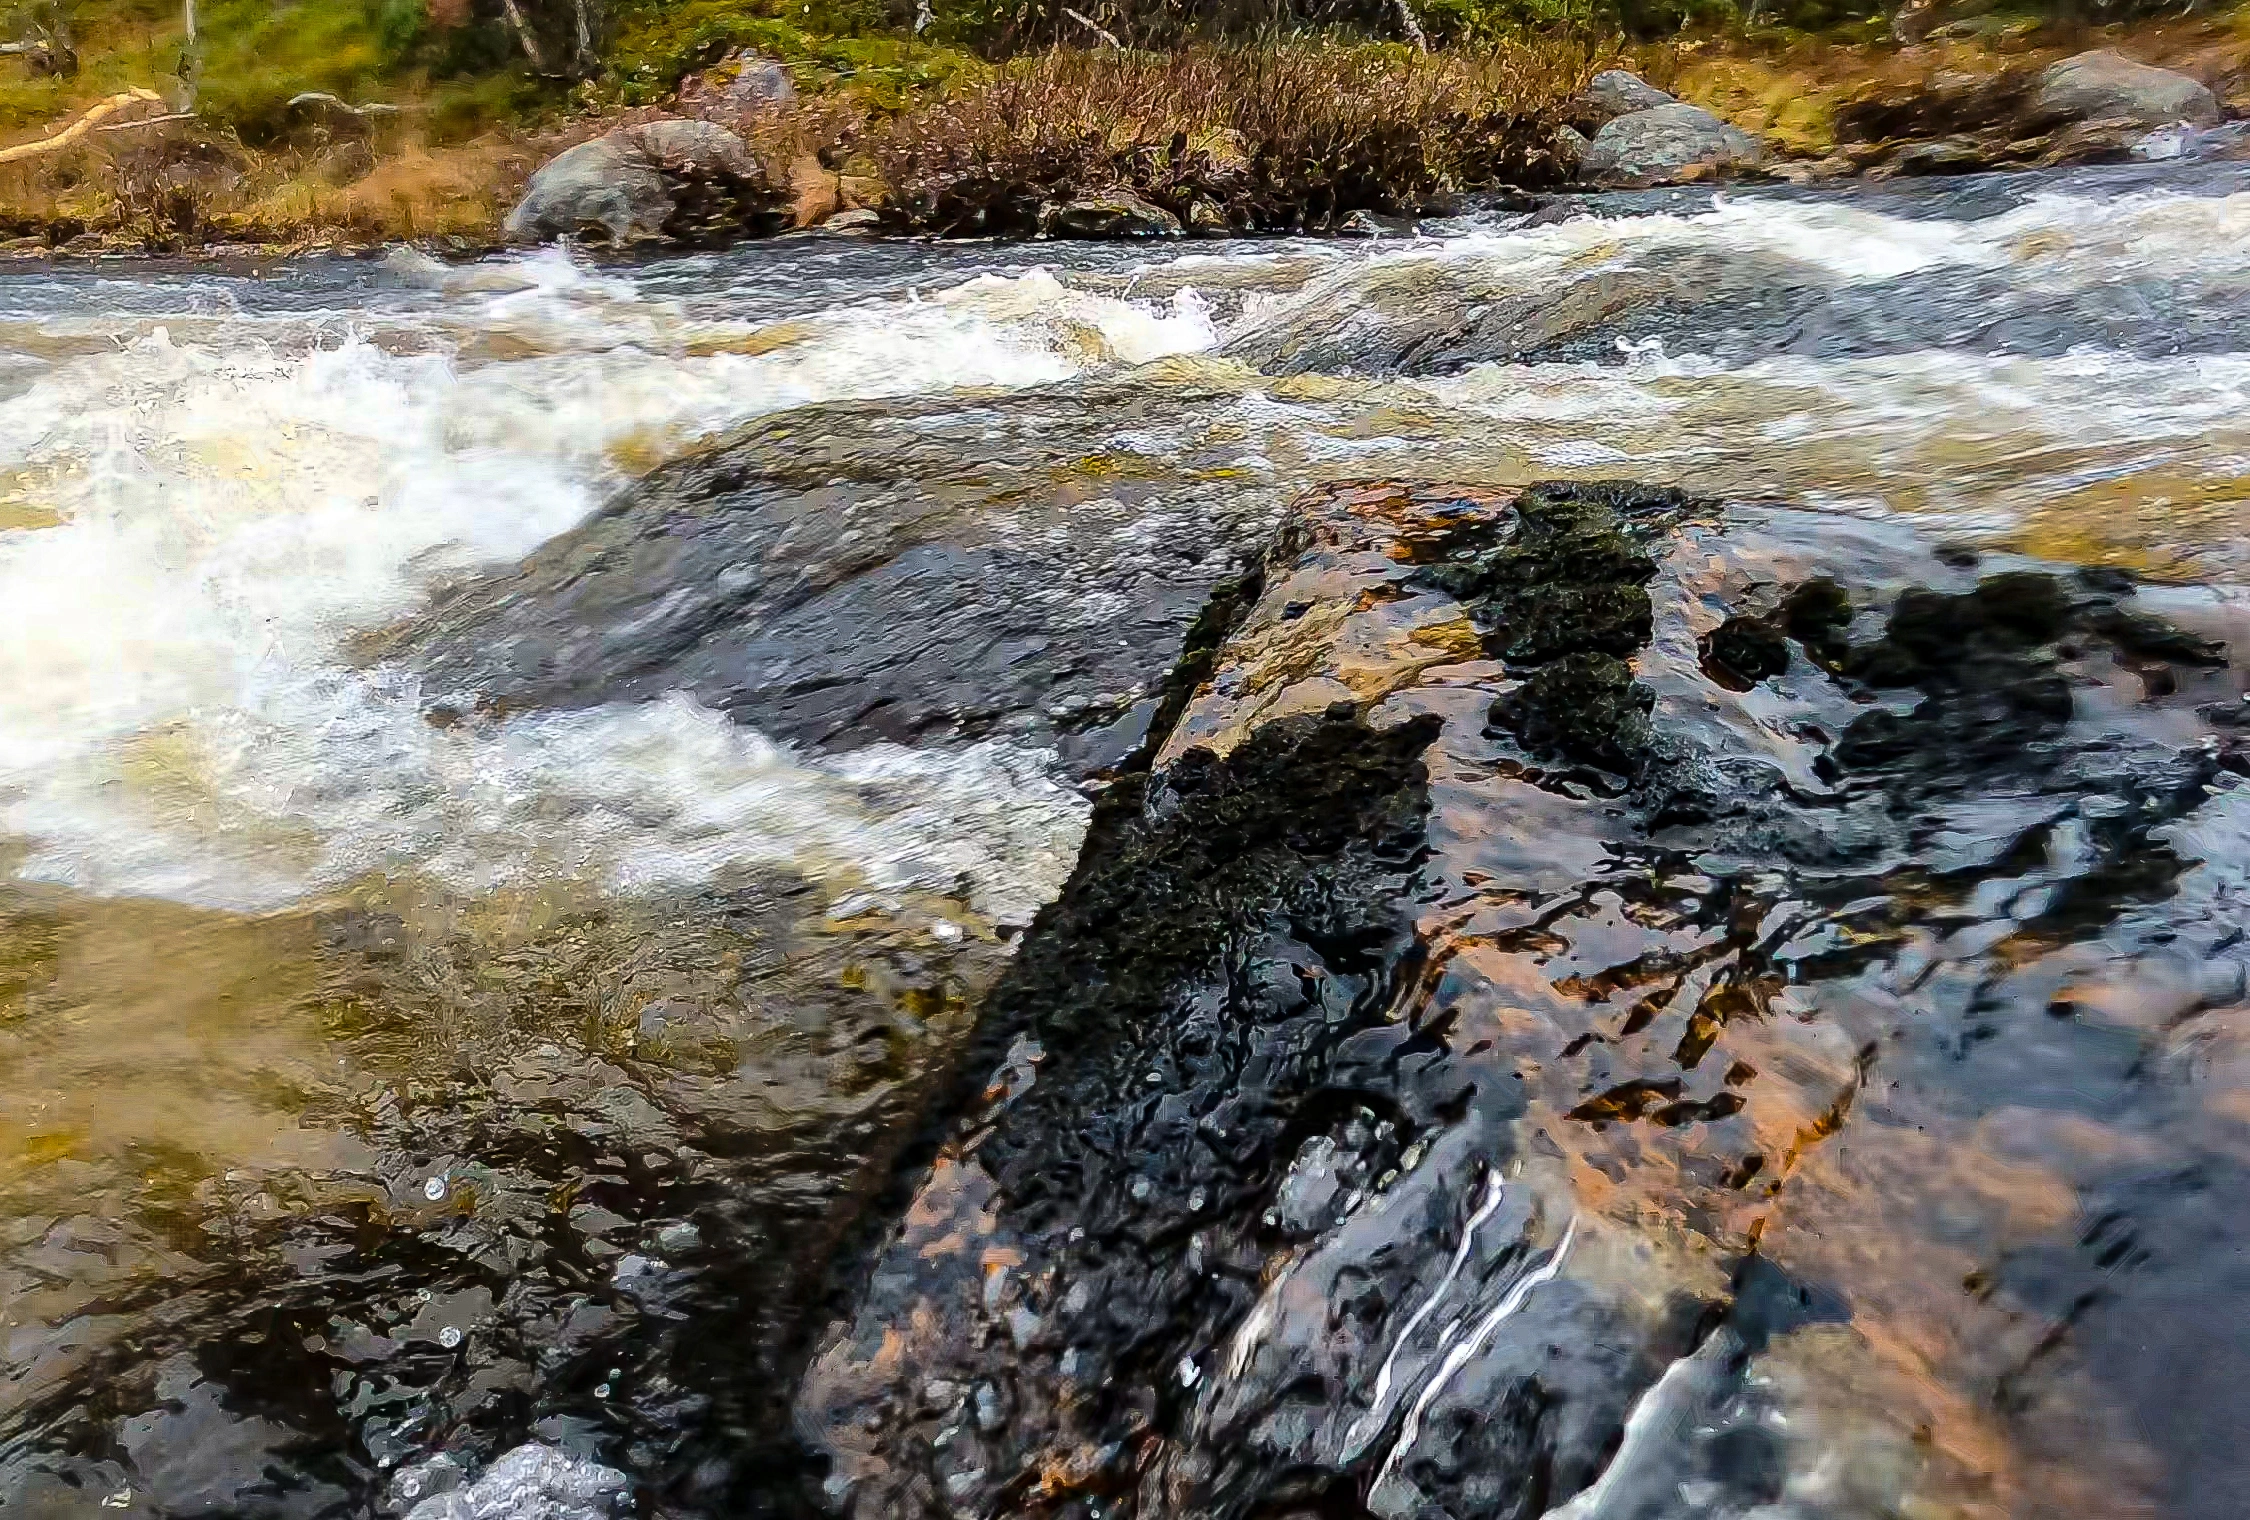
x=673 y=179
x=945 y=570
x=1605 y=1006
x=1664 y=144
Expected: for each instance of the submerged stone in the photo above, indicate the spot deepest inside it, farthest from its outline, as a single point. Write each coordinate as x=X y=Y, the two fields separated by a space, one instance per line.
x=942 y=571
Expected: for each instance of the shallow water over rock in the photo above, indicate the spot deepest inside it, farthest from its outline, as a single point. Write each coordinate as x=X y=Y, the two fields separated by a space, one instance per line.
x=529 y=791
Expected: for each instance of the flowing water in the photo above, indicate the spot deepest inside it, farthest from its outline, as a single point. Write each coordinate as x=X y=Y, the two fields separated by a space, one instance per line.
x=373 y=1083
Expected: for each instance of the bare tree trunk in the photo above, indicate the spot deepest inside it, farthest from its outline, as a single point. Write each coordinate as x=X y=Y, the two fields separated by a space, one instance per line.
x=1411 y=25
x=578 y=9
x=923 y=16
x=191 y=58
x=523 y=35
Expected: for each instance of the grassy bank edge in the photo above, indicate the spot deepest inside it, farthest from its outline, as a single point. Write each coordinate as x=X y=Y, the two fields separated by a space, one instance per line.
x=1275 y=129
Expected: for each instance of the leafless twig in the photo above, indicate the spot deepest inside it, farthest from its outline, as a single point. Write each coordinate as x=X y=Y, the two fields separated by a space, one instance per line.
x=1093 y=26
x=147 y=121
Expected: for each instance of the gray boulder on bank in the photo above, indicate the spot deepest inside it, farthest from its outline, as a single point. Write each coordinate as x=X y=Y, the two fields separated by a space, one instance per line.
x=2105 y=85
x=628 y=185
x=2096 y=107
x=1665 y=144
x=1615 y=92
x=742 y=85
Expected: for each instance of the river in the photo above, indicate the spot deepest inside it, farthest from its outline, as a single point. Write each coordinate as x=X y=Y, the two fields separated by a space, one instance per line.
x=380 y=1078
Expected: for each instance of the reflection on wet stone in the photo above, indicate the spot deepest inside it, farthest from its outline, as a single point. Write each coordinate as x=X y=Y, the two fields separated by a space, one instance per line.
x=1583 y=1121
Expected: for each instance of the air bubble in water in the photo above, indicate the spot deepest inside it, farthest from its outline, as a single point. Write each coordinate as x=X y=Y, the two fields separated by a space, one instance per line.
x=434 y=1189
x=449 y=1337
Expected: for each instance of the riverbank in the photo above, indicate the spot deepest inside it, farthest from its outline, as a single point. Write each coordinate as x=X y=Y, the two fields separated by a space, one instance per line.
x=1317 y=136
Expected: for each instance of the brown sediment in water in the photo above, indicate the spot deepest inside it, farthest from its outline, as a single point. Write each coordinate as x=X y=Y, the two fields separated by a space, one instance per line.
x=410 y=1171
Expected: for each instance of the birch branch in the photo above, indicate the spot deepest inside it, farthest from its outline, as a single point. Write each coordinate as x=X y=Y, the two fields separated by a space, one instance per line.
x=523 y=35
x=147 y=121
x=1091 y=25
x=93 y=117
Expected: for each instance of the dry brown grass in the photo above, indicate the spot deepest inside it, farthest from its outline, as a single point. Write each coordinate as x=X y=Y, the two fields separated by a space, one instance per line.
x=185 y=186
x=1277 y=138
x=1793 y=92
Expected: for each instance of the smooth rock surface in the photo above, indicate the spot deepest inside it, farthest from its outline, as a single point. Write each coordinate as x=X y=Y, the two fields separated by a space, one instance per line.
x=940 y=571
x=1618 y=92
x=1666 y=143
x=2106 y=85
x=1503 y=1061
x=635 y=184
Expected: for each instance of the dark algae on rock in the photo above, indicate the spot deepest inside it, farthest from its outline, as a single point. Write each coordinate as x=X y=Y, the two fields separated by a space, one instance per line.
x=1604 y=1004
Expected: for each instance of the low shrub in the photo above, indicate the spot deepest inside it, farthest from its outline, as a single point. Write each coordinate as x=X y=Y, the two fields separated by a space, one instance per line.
x=1276 y=138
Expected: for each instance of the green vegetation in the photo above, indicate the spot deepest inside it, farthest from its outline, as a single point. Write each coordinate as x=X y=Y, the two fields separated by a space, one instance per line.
x=828 y=46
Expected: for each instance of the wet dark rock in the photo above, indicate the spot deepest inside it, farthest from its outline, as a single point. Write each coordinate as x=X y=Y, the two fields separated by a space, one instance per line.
x=1118 y=213
x=1386 y=1121
x=1420 y=317
x=920 y=573
x=1741 y=652
x=1566 y=576
x=1583 y=706
x=660 y=180
x=1664 y=144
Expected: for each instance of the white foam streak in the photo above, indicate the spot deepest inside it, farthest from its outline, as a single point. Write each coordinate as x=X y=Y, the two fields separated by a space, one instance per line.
x=1370 y=1424
x=177 y=716
x=1655 y=1415
x=1466 y=1349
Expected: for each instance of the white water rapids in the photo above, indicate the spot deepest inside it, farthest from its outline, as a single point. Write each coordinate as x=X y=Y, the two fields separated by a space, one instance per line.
x=210 y=484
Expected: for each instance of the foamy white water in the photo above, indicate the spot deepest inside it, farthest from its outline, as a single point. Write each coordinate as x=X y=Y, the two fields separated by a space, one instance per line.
x=236 y=489
x=177 y=712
